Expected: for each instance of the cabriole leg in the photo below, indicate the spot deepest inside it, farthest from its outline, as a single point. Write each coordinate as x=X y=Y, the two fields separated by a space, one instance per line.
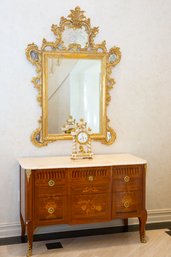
x=125 y=222
x=30 y=238
x=142 y=223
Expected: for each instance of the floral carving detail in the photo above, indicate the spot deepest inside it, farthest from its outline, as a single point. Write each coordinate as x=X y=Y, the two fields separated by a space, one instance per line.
x=77 y=17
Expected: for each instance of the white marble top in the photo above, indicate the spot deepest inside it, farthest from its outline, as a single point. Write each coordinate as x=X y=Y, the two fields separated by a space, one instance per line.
x=66 y=162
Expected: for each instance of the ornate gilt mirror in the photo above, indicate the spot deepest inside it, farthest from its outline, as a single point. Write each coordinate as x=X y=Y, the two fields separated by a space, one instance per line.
x=73 y=81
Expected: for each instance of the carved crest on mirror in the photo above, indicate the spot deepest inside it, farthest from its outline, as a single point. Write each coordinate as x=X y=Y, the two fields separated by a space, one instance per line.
x=87 y=66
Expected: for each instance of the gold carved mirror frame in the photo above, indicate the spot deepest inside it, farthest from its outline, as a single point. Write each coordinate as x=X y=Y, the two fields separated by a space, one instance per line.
x=81 y=46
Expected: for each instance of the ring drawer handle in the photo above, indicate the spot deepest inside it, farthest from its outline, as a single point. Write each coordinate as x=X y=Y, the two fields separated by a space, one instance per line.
x=126 y=204
x=126 y=179
x=51 y=183
x=90 y=178
x=51 y=210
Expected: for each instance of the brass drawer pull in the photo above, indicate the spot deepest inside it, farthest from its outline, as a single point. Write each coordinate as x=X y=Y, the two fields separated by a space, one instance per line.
x=126 y=179
x=90 y=178
x=51 y=183
x=126 y=204
x=51 y=210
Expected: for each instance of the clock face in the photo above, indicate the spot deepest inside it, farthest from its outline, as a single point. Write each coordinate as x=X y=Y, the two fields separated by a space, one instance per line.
x=82 y=137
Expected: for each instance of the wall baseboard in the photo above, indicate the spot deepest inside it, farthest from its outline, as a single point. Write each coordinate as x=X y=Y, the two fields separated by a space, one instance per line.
x=161 y=215
x=9 y=229
x=14 y=228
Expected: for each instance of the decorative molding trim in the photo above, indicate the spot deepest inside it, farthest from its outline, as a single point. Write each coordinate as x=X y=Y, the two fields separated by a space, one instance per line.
x=154 y=216
x=10 y=229
x=159 y=215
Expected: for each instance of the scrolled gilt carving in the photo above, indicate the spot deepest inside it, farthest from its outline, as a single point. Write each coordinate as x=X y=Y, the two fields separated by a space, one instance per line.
x=36 y=138
x=33 y=54
x=75 y=20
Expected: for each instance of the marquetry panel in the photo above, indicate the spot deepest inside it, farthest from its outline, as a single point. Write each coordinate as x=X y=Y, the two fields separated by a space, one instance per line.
x=133 y=170
x=90 y=208
x=51 y=209
x=43 y=176
x=126 y=202
x=95 y=174
x=90 y=188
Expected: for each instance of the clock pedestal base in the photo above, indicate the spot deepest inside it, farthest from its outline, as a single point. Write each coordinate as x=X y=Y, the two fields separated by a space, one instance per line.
x=76 y=156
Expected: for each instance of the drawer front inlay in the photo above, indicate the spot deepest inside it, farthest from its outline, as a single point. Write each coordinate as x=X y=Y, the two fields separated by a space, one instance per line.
x=95 y=174
x=134 y=170
x=90 y=180
x=49 y=177
x=90 y=188
x=90 y=208
x=127 y=178
x=126 y=202
x=51 y=208
x=50 y=182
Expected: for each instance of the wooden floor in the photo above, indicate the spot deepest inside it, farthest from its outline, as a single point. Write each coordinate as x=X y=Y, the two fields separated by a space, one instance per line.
x=113 y=245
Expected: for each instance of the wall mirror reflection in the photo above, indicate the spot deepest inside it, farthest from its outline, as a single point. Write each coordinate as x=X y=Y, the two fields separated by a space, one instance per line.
x=73 y=81
x=74 y=88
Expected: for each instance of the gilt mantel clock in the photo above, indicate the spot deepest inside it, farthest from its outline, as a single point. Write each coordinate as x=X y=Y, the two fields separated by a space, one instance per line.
x=81 y=141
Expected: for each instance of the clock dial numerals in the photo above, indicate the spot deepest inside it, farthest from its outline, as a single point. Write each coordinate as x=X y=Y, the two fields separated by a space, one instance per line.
x=82 y=137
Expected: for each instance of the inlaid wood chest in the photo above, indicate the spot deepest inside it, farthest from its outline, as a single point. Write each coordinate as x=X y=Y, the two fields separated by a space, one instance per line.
x=57 y=190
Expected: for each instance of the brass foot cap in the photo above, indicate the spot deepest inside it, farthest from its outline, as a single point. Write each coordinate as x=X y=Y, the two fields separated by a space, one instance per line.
x=143 y=240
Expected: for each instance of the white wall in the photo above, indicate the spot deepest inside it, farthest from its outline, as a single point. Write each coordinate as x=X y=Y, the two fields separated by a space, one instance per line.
x=140 y=110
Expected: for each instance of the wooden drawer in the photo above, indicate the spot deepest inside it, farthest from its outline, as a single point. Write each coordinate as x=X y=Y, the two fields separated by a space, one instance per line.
x=51 y=182
x=127 y=178
x=90 y=180
x=90 y=208
x=126 y=202
x=51 y=209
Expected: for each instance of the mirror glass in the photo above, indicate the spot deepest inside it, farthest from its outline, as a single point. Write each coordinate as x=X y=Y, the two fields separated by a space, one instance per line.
x=74 y=89
x=75 y=36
